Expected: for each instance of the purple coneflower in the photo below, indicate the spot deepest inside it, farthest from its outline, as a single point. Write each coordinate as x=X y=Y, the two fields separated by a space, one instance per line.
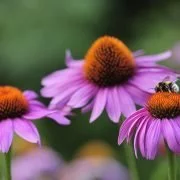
x=158 y=120
x=17 y=110
x=110 y=77
x=42 y=163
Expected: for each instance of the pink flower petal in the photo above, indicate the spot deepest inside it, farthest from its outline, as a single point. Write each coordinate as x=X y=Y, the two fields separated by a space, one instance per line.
x=59 y=118
x=6 y=135
x=142 y=137
x=154 y=58
x=67 y=93
x=71 y=63
x=137 y=134
x=27 y=130
x=126 y=102
x=170 y=136
x=30 y=94
x=82 y=96
x=152 y=138
x=113 y=105
x=139 y=96
x=99 y=104
x=128 y=126
x=36 y=112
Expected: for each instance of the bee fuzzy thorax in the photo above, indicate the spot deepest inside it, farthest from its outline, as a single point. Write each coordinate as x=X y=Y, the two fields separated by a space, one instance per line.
x=108 y=62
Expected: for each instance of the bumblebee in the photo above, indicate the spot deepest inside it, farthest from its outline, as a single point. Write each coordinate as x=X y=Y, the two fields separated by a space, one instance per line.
x=167 y=86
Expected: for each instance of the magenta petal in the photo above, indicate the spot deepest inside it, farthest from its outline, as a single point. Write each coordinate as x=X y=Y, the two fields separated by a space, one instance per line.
x=59 y=118
x=6 y=135
x=126 y=102
x=36 y=103
x=113 y=105
x=36 y=112
x=88 y=107
x=27 y=130
x=61 y=85
x=169 y=136
x=99 y=104
x=82 y=96
x=152 y=138
x=129 y=125
x=66 y=93
x=70 y=62
x=176 y=128
x=154 y=58
x=30 y=94
x=139 y=96
x=137 y=134
x=142 y=137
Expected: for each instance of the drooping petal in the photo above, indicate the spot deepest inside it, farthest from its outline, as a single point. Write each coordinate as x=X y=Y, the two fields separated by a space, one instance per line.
x=36 y=112
x=36 y=103
x=66 y=93
x=128 y=126
x=137 y=135
x=70 y=62
x=59 y=118
x=88 y=107
x=152 y=138
x=61 y=86
x=26 y=130
x=126 y=102
x=176 y=128
x=6 y=135
x=154 y=58
x=142 y=137
x=169 y=136
x=82 y=96
x=139 y=96
x=30 y=94
x=113 y=105
x=99 y=104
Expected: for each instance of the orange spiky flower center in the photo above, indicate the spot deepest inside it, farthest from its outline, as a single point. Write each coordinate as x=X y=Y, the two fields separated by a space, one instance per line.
x=108 y=62
x=12 y=103
x=164 y=105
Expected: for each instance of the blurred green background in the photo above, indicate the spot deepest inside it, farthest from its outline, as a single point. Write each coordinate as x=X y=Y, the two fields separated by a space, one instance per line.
x=34 y=35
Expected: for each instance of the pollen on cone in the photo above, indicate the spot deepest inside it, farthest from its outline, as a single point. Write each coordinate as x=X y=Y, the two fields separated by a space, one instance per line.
x=108 y=62
x=164 y=105
x=12 y=102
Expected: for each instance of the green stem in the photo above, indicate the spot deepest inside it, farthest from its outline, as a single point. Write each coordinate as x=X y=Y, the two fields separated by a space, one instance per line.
x=131 y=161
x=8 y=165
x=171 y=164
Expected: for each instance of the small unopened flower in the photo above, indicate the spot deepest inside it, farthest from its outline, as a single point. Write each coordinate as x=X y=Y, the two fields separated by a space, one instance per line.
x=110 y=77
x=17 y=111
x=158 y=120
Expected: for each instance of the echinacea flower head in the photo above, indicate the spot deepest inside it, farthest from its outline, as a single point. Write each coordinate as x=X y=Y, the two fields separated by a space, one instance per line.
x=158 y=121
x=17 y=111
x=109 y=77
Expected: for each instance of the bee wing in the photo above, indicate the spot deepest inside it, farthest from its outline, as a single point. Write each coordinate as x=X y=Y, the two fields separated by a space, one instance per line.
x=167 y=78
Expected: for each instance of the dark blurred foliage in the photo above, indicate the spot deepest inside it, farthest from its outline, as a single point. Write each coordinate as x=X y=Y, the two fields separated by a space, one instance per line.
x=34 y=35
